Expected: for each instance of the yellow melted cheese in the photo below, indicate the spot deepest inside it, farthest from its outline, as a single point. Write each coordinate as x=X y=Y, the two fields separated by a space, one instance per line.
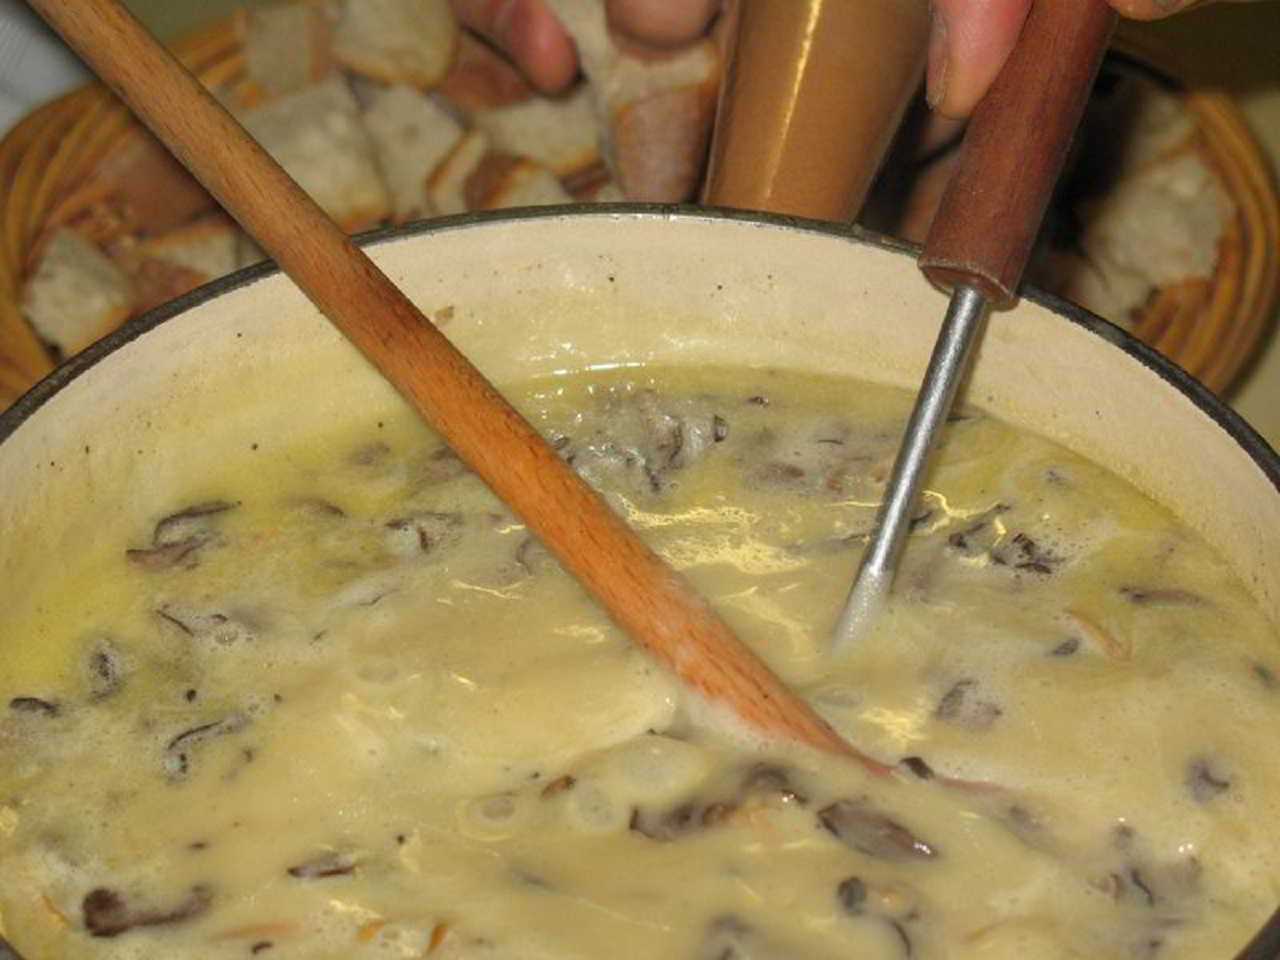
x=366 y=715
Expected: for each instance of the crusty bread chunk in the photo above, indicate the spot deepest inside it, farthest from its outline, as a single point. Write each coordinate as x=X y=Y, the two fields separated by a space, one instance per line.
x=501 y=180
x=287 y=46
x=177 y=262
x=317 y=136
x=412 y=135
x=398 y=41
x=139 y=187
x=206 y=246
x=77 y=294
x=1156 y=228
x=657 y=111
x=447 y=187
x=557 y=132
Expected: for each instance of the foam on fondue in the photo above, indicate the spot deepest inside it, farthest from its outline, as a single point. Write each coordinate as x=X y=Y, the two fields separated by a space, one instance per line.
x=336 y=702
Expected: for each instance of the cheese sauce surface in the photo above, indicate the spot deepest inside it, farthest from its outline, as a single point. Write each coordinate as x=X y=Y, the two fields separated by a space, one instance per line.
x=339 y=703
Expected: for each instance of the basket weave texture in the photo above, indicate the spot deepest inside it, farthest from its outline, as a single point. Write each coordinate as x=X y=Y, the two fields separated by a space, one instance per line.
x=48 y=161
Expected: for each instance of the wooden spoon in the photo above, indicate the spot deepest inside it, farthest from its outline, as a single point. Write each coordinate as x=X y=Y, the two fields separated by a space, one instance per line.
x=643 y=595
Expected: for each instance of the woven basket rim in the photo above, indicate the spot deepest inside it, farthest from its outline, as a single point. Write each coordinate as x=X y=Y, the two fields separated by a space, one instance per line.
x=1214 y=352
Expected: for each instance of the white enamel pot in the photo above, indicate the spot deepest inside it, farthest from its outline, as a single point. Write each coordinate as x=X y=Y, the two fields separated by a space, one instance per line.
x=247 y=360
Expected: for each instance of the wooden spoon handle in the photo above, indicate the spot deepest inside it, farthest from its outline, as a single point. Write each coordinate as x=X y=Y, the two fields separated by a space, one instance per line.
x=645 y=596
x=1014 y=149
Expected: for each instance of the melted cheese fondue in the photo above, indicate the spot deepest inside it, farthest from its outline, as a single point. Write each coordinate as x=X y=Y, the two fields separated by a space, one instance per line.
x=338 y=703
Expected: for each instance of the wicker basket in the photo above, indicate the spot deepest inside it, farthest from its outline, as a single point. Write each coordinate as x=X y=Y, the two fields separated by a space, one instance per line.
x=42 y=161
x=1210 y=328
x=1213 y=329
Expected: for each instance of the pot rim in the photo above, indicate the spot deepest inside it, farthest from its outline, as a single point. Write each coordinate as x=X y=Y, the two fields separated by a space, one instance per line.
x=1259 y=451
x=1266 y=944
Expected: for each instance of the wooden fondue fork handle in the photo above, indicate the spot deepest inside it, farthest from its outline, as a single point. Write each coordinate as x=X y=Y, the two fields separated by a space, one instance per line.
x=644 y=596
x=1014 y=148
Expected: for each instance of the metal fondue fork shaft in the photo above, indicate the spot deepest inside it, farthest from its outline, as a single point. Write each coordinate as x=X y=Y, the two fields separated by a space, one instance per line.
x=947 y=366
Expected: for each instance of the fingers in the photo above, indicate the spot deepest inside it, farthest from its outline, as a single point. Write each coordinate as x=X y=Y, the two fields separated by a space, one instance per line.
x=662 y=23
x=971 y=39
x=529 y=33
x=969 y=43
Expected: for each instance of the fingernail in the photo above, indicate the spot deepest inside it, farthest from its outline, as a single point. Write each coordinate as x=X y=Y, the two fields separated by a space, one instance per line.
x=936 y=77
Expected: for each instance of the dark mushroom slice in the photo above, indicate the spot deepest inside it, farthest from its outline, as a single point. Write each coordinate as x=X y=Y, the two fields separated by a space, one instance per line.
x=177 y=753
x=179 y=537
x=34 y=706
x=1205 y=781
x=854 y=898
x=424 y=533
x=212 y=626
x=980 y=535
x=533 y=557
x=1067 y=648
x=904 y=938
x=108 y=914
x=668 y=825
x=169 y=557
x=765 y=779
x=319 y=507
x=919 y=767
x=439 y=466
x=676 y=434
x=860 y=827
x=330 y=864
x=104 y=671
x=963 y=706
x=369 y=454
x=192 y=522
x=1026 y=827
x=921 y=520
x=1025 y=554
x=761 y=782
x=1162 y=597
x=851 y=894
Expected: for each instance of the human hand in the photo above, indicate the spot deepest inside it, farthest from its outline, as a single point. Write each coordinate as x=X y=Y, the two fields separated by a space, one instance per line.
x=972 y=39
x=531 y=35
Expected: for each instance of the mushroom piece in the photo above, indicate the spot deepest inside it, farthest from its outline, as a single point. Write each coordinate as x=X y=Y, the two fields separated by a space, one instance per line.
x=860 y=827
x=108 y=914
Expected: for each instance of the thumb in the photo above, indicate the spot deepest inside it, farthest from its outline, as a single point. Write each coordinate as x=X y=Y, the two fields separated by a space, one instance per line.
x=968 y=45
x=528 y=32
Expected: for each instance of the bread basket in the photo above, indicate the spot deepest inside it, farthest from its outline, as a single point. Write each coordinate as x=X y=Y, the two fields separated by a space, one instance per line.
x=1209 y=328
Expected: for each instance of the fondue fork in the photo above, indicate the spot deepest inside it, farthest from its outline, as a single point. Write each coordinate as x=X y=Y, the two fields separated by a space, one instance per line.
x=978 y=246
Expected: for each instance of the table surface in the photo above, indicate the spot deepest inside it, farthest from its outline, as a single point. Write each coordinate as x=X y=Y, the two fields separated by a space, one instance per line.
x=1233 y=47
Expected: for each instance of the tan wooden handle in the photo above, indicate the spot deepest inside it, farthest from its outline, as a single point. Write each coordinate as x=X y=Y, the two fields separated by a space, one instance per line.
x=644 y=596
x=1014 y=149
x=813 y=95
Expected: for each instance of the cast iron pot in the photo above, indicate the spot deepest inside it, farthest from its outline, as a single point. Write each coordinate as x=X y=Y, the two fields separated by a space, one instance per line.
x=246 y=365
